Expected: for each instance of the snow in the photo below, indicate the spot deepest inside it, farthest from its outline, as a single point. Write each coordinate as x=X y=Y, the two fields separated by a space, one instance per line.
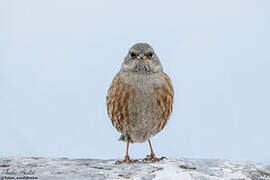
x=171 y=169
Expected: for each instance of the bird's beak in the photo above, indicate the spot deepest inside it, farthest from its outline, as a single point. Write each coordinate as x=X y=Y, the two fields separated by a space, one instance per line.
x=141 y=56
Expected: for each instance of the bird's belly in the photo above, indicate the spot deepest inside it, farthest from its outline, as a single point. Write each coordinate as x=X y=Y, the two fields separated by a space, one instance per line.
x=144 y=113
x=144 y=116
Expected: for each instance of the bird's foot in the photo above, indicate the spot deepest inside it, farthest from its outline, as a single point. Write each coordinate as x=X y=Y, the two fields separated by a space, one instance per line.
x=127 y=160
x=153 y=158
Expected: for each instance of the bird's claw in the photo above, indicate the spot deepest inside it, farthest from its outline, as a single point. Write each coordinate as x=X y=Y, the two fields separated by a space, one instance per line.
x=127 y=160
x=153 y=158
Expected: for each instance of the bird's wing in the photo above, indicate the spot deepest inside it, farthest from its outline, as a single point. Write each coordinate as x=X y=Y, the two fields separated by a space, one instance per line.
x=117 y=103
x=164 y=96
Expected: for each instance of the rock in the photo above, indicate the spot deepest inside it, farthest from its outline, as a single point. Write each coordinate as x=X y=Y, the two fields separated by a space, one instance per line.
x=95 y=169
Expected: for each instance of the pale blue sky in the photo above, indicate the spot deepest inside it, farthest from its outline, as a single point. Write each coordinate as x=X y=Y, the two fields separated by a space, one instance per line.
x=58 y=57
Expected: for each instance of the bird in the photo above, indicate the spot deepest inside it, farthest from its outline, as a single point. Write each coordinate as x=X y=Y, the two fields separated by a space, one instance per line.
x=140 y=99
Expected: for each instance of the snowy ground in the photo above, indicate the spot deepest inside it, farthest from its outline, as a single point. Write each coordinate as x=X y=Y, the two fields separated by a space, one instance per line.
x=86 y=169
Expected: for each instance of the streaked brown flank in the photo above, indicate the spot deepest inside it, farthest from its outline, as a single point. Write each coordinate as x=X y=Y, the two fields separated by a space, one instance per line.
x=117 y=103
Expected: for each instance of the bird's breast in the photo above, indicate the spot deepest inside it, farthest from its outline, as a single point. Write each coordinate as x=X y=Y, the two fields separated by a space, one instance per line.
x=142 y=81
x=143 y=106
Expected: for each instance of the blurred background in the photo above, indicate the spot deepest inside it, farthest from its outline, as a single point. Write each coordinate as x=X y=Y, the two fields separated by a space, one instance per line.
x=58 y=57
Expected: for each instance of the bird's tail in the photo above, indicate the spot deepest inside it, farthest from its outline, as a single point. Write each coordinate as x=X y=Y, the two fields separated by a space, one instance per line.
x=122 y=138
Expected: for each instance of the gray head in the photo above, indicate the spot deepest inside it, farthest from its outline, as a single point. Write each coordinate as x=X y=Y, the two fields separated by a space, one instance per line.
x=141 y=58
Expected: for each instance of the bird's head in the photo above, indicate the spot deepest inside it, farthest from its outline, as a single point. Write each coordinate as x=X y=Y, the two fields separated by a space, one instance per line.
x=141 y=58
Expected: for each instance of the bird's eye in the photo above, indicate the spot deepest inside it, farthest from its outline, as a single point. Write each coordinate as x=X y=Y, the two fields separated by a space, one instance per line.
x=132 y=54
x=150 y=54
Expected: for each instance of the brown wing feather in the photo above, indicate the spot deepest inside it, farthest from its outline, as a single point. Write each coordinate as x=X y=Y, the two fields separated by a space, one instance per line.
x=165 y=96
x=117 y=103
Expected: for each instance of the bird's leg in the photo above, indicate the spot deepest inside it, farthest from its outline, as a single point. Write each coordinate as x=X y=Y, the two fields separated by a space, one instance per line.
x=152 y=157
x=127 y=159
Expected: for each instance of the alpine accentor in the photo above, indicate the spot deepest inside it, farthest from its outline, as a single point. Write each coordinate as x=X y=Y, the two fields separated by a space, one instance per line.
x=140 y=98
